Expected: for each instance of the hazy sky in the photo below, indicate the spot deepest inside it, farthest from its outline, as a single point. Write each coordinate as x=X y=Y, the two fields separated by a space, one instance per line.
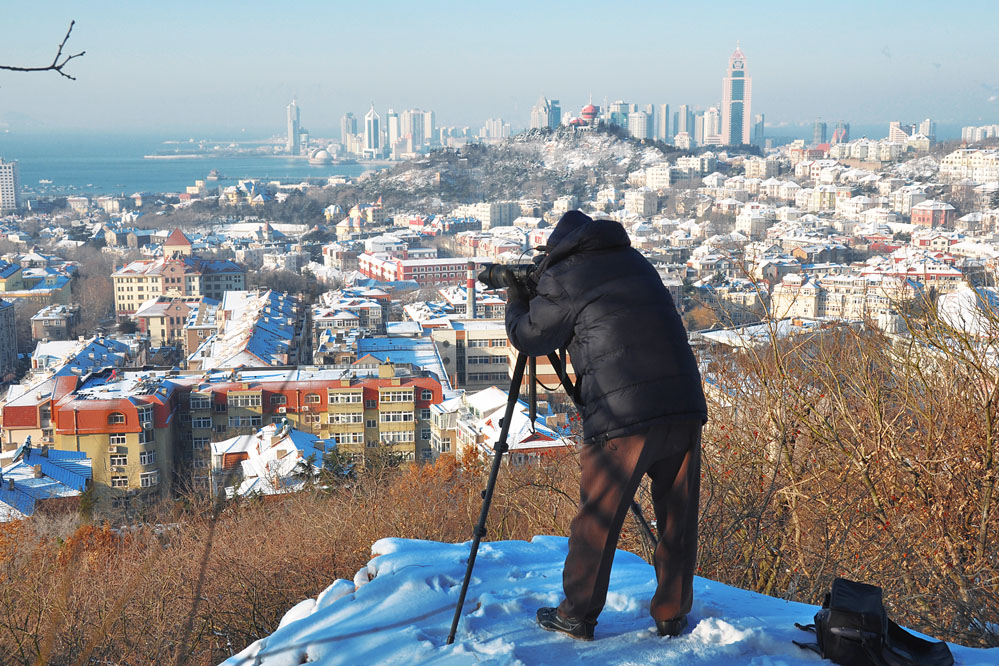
x=219 y=67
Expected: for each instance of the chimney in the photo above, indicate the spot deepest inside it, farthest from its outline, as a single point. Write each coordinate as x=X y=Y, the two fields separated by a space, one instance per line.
x=470 y=291
x=36 y=471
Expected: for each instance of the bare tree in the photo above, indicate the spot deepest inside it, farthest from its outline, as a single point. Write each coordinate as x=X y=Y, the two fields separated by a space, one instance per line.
x=58 y=62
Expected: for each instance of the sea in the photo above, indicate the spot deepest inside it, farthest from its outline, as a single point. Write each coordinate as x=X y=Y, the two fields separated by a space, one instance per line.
x=58 y=164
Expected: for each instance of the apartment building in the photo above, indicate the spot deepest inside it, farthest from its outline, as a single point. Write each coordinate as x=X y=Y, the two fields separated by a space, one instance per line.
x=449 y=270
x=180 y=275
x=55 y=322
x=124 y=423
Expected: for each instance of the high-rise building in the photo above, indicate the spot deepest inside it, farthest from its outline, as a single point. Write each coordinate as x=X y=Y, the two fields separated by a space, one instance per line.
x=617 y=113
x=712 y=127
x=348 y=128
x=698 y=135
x=842 y=132
x=899 y=133
x=736 y=101
x=546 y=113
x=372 y=133
x=392 y=126
x=292 y=144
x=684 y=120
x=10 y=186
x=759 y=139
x=640 y=125
x=430 y=127
x=413 y=124
x=818 y=133
x=663 y=123
x=928 y=128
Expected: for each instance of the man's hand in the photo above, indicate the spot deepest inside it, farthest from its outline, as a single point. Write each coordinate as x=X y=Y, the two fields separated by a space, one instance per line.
x=515 y=291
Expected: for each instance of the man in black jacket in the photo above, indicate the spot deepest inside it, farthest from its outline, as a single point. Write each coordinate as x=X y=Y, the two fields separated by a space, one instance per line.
x=639 y=392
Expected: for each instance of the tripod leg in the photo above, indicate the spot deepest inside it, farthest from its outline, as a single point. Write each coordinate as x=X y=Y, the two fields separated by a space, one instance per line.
x=487 y=495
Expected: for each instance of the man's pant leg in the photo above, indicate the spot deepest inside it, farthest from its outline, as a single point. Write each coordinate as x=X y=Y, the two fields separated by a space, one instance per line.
x=609 y=478
x=676 y=483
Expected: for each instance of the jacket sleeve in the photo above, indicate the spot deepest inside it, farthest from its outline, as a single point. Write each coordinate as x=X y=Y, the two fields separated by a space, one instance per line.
x=543 y=324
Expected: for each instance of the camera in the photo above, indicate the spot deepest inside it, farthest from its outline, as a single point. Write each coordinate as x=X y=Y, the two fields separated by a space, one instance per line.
x=497 y=276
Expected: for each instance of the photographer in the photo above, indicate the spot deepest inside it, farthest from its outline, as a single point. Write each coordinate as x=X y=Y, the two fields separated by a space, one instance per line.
x=639 y=392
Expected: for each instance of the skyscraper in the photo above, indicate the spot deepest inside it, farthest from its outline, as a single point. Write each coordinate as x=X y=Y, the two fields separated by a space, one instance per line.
x=684 y=121
x=292 y=145
x=663 y=123
x=372 y=133
x=392 y=124
x=759 y=140
x=10 y=186
x=712 y=127
x=842 y=132
x=818 y=133
x=736 y=101
x=640 y=125
x=546 y=113
x=348 y=128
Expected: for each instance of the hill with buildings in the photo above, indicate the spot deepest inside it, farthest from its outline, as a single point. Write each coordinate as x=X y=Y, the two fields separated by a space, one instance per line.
x=538 y=164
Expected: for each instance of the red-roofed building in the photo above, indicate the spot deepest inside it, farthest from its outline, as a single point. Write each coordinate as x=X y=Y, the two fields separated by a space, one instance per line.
x=176 y=243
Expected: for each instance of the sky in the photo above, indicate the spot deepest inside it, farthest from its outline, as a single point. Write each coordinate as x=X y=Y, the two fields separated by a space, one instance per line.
x=228 y=67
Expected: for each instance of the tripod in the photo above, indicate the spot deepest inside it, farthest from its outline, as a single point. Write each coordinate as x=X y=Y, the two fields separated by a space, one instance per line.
x=501 y=447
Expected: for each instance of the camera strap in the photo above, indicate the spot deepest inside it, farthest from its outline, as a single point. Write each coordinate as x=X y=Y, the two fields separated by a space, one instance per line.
x=558 y=364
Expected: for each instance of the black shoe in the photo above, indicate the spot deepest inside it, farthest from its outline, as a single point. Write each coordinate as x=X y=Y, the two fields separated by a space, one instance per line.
x=550 y=620
x=672 y=627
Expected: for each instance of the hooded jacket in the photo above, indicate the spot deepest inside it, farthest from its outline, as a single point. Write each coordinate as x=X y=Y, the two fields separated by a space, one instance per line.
x=603 y=301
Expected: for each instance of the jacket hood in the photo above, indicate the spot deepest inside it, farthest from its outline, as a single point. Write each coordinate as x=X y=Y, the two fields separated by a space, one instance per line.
x=593 y=236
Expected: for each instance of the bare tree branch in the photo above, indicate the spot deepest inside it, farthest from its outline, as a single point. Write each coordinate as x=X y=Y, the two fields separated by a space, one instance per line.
x=58 y=62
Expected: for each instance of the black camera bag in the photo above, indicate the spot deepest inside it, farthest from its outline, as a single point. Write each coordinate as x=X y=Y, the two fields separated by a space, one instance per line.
x=853 y=629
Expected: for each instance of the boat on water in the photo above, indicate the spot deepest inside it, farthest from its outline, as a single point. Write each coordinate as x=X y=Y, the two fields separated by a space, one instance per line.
x=214 y=174
x=45 y=181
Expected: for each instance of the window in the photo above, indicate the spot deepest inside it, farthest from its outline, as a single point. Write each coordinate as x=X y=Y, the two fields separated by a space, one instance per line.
x=312 y=398
x=220 y=407
x=370 y=404
x=201 y=402
x=342 y=398
x=115 y=418
x=402 y=436
x=149 y=479
x=371 y=423
x=199 y=443
x=426 y=395
x=425 y=414
x=119 y=460
x=147 y=457
x=145 y=415
x=200 y=462
x=425 y=433
x=185 y=419
x=119 y=482
x=245 y=421
x=395 y=417
x=220 y=429
x=244 y=399
x=146 y=437
x=201 y=422
x=396 y=396
x=279 y=399
x=346 y=418
x=116 y=440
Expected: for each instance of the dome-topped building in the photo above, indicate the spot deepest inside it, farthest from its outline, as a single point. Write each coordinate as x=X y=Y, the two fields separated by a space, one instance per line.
x=320 y=157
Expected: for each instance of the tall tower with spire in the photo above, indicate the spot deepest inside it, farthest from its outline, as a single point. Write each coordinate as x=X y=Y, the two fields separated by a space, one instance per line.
x=292 y=145
x=372 y=133
x=736 y=101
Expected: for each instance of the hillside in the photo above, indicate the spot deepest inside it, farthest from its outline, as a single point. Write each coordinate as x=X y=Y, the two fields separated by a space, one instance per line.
x=533 y=164
x=398 y=610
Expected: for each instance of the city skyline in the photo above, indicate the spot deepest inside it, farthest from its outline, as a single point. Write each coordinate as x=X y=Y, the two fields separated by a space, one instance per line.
x=187 y=67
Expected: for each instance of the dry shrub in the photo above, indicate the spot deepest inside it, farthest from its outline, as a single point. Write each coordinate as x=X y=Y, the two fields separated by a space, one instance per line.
x=850 y=453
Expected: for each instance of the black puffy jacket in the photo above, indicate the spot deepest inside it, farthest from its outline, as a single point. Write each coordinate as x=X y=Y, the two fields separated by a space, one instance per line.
x=602 y=299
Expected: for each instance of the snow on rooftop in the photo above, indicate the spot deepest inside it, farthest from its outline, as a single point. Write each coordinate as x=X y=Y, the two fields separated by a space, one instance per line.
x=398 y=610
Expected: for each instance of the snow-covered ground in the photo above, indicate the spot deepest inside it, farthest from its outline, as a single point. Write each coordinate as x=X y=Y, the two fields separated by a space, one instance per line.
x=398 y=610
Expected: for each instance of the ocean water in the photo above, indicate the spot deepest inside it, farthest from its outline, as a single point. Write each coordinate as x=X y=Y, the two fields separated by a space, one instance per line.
x=84 y=163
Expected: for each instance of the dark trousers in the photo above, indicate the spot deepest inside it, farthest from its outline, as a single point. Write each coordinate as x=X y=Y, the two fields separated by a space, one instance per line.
x=671 y=455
